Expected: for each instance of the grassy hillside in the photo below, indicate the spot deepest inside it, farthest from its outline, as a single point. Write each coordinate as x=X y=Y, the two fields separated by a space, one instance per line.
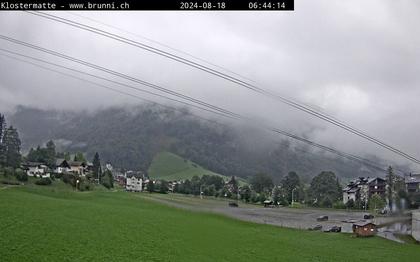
x=169 y=166
x=38 y=224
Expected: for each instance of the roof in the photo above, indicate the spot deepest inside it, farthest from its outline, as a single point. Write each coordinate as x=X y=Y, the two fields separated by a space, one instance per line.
x=363 y=223
x=353 y=190
x=32 y=164
x=412 y=178
x=375 y=179
x=75 y=163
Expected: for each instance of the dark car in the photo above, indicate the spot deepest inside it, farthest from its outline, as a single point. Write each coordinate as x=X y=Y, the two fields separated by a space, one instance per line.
x=335 y=229
x=316 y=227
x=268 y=203
x=233 y=204
x=368 y=216
x=322 y=218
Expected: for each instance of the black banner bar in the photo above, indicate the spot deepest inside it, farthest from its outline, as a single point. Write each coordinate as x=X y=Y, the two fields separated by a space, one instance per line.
x=147 y=5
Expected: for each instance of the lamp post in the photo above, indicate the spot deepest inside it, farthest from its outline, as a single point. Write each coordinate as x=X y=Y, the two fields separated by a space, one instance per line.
x=77 y=183
x=293 y=190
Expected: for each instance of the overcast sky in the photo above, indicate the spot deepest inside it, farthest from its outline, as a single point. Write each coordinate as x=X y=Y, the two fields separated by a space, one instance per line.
x=358 y=61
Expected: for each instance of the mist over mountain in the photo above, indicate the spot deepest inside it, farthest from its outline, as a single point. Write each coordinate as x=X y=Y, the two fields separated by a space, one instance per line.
x=129 y=138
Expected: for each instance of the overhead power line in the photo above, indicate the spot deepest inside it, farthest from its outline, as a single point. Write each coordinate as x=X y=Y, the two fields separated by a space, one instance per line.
x=272 y=129
x=118 y=74
x=230 y=78
x=159 y=43
x=107 y=87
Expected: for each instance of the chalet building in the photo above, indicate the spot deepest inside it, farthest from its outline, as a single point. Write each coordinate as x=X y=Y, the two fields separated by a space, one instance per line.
x=121 y=180
x=412 y=183
x=62 y=166
x=134 y=184
x=377 y=186
x=364 y=229
x=36 y=169
x=363 y=188
x=77 y=167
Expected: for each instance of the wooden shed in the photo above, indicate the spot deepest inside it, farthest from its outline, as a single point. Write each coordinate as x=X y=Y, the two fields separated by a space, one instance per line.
x=364 y=229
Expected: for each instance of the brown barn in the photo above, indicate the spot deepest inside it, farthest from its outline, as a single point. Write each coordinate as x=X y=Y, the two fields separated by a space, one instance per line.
x=364 y=229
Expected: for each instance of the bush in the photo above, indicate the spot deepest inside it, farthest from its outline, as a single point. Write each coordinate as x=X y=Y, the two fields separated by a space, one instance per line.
x=350 y=204
x=9 y=182
x=85 y=185
x=21 y=175
x=43 y=181
x=339 y=205
x=326 y=202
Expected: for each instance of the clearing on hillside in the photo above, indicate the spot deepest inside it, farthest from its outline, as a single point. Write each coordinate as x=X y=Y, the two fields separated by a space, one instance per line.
x=169 y=166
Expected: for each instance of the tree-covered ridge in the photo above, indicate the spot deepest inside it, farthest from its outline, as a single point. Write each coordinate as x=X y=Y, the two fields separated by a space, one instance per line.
x=129 y=138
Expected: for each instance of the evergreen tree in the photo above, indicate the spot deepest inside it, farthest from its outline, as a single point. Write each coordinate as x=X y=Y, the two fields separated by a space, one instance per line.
x=325 y=189
x=50 y=154
x=2 y=127
x=2 y=146
x=262 y=182
x=11 y=143
x=67 y=156
x=234 y=185
x=291 y=184
x=276 y=195
x=97 y=170
x=79 y=157
x=151 y=186
x=390 y=184
x=246 y=193
x=107 y=179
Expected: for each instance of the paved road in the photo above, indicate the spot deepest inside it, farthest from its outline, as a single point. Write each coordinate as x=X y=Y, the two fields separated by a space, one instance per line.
x=281 y=216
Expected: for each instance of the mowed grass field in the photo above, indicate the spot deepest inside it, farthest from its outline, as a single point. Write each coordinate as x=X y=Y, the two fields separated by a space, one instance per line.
x=49 y=224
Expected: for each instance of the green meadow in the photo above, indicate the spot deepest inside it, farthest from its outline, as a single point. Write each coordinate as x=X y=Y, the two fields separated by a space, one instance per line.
x=50 y=223
x=169 y=166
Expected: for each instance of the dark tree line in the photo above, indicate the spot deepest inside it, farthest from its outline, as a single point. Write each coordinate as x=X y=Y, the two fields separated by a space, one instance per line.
x=45 y=155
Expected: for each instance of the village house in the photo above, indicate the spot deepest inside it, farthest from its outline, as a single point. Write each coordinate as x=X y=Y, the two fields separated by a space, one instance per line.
x=134 y=180
x=412 y=183
x=134 y=184
x=121 y=180
x=363 y=188
x=377 y=186
x=364 y=229
x=61 y=166
x=76 y=167
x=36 y=169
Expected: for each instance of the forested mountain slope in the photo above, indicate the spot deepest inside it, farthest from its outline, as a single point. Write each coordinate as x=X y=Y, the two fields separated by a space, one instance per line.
x=130 y=137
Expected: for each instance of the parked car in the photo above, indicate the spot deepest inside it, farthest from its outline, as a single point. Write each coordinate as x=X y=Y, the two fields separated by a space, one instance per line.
x=368 y=216
x=335 y=229
x=316 y=227
x=322 y=218
x=383 y=211
x=233 y=204
x=268 y=203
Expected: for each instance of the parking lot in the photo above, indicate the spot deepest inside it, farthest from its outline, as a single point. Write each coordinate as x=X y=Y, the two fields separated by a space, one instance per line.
x=302 y=218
